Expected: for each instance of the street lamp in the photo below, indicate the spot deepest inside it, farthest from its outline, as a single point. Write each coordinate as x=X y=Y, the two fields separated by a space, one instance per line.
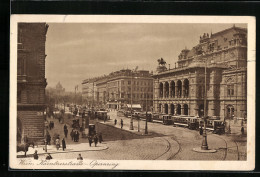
x=204 y=145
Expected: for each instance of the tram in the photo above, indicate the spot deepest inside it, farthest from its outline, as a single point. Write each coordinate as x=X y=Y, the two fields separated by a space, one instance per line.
x=102 y=115
x=193 y=123
x=167 y=119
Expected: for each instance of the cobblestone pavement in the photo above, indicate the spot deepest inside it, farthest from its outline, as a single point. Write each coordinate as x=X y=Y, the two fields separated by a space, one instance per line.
x=162 y=143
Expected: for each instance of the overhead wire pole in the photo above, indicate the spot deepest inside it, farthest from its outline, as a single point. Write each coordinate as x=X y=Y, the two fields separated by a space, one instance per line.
x=131 y=120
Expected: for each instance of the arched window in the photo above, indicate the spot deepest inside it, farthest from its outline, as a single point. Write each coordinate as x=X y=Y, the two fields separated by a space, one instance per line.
x=161 y=90
x=186 y=109
x=172 y=109
x=186 y=88
x=179 y=88
x=172 y=85
x=166 y=108
x=166 y=93
x=178 y=109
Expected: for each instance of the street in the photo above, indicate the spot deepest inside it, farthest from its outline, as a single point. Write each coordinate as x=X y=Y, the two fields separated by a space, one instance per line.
x=162 y=143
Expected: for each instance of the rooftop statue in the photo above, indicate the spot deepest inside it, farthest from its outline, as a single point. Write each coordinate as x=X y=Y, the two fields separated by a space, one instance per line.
x=161 y=62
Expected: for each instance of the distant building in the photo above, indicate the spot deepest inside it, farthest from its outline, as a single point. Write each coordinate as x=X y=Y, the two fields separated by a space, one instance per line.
x=181 y=90
x=114 y=90
x=31 y=81
x=89 y=91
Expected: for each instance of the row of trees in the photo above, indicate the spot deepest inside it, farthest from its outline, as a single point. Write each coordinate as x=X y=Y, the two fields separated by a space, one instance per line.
x=54 y=97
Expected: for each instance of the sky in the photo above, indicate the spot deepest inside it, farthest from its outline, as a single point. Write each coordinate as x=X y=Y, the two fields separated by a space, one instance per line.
x=78 y=51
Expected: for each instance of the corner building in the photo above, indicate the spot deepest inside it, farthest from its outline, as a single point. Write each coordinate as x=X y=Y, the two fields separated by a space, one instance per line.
x=115 y=90
x=31 y=81
x=180 y=91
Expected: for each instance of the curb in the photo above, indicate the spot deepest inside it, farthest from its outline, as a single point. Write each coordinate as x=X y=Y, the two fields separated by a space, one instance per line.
x=150 y=134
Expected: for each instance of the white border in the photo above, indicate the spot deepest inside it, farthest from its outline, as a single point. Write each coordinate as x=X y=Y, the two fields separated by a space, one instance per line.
x=139 y=164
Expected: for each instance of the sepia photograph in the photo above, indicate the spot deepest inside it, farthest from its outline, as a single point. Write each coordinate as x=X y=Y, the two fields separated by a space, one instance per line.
x=132 y=92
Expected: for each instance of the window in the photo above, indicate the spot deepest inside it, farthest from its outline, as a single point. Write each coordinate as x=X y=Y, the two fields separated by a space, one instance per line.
x=137 y=83
x=122 y=82
x=129 y=82
x=230 y=90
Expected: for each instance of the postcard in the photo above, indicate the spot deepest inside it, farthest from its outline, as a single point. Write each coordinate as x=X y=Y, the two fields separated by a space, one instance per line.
x=117 y=92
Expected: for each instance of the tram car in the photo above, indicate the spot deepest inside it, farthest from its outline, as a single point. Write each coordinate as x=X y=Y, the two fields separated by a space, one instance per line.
x=219 y=127
x=167 y=119
x=193 y=123
x=102 y=115
x=182 y=121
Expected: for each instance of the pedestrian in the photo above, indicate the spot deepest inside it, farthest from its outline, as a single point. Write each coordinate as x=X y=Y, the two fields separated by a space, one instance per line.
x=35 y=155
x=122 y=123
x=65 y=127
x=100 y=138
x=48 y=139
x=66 y=133
x=50 y=125
x=65 y=130
x=63 y=144
x=48 y=157
x=242 y=130
x=95 y=140
x=72 y=135
x=58 y=143
x=115 y=121
x=89 y=140
x=79 y=157
x=201 y=130
x=77 y=136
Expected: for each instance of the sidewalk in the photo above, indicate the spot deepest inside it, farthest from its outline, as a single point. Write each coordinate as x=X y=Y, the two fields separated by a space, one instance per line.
x=70 y=148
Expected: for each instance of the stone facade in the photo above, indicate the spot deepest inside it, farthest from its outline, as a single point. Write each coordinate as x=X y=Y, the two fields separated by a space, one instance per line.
x=114 y=90
x=31 y=81
x=181 y=90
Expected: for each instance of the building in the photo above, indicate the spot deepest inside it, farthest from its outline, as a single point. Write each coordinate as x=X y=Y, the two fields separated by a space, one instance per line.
x=31 y=81
x=89 y=91
x=114 y=90
x=181 y=90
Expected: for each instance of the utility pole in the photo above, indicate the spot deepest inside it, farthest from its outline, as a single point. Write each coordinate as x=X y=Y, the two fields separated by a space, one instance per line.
x=146 y=128
x=131 y=120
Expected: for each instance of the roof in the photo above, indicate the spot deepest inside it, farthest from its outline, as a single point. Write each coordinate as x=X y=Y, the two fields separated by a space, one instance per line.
x=134 y=106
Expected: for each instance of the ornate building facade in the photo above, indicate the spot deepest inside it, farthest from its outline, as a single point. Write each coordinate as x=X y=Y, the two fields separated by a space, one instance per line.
x=115 y=90
x=224 y=57
x=31 y=80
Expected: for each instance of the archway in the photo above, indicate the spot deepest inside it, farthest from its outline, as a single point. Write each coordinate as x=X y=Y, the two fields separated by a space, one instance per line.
x=201 y=110
x=186 y=88
x=172 y=86
x=166 y=108
x=166 y=93
x=178 y=109
x=230 y=111
x=179 y=88
x=172 y=109
x=161 y=90
x=186 y=109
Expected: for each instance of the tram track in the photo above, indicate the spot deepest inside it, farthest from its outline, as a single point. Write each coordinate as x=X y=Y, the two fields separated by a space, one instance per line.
x=167 y=149
x=179 y=149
